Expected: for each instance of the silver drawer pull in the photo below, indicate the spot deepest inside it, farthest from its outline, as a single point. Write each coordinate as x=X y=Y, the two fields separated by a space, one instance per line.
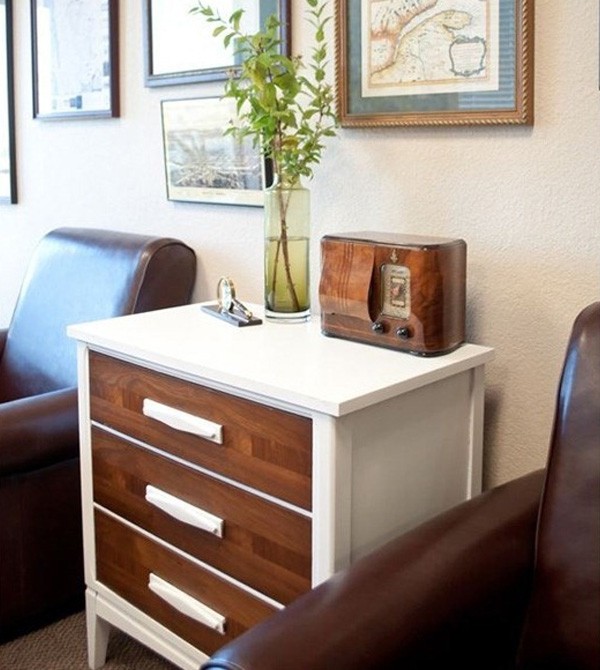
x=187 y=605
x=179 y=420
x=184 y=511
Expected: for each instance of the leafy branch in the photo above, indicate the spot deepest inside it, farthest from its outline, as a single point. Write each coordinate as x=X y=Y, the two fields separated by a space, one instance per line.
x=285 y=106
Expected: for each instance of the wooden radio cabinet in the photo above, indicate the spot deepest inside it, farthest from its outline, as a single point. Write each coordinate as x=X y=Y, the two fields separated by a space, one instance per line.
x=226 y=471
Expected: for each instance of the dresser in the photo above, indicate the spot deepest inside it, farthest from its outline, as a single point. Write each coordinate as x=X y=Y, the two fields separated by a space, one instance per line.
x=226 y=470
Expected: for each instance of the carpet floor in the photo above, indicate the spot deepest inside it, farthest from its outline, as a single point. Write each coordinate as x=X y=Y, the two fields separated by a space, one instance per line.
x=62 y=646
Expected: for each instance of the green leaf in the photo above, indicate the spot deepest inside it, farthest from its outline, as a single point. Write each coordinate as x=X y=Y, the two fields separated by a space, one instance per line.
x=235 y=18
x=283 y=103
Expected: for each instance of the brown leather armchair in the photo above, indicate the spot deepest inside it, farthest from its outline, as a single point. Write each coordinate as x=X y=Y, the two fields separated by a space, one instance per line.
x=509 y=579
x=75 y=275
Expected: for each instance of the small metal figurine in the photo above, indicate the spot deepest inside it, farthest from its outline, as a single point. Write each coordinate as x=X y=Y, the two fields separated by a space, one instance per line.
x=229 y=308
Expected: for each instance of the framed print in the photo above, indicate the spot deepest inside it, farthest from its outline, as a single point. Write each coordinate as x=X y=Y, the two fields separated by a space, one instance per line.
x=434 y=62
x=75 y=58
x=179 y=47
x=8 y=180
x=201 y=163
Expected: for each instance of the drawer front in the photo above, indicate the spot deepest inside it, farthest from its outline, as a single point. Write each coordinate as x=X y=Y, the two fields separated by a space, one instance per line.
x=263 y=447
x=259 y=543
x=125 y=562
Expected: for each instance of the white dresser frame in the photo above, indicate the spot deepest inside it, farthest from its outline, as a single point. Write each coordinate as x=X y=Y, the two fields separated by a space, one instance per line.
x=396 y=438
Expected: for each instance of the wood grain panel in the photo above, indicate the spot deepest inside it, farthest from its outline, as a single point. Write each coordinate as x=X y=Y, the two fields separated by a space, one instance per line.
x=263 y=544
x=267 y=449
x=125 y=560
x=350 y=291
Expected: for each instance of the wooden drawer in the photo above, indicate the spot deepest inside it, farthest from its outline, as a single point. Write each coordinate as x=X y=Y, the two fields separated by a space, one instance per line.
x=125 y=560
x=263 y=544
x=267 y=449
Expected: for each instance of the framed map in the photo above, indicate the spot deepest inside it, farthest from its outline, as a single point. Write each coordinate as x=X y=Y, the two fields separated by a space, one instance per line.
x=8 y=181
x=75 y=58
x=434 y=62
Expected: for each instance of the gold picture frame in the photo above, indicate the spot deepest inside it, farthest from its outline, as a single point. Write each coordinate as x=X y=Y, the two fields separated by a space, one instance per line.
x=434 y=62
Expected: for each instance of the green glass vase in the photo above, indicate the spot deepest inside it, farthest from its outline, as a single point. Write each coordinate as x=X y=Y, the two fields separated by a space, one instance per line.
x=287 y=243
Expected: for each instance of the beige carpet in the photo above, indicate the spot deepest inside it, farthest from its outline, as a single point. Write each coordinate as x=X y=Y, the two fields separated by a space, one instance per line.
x=62 y=646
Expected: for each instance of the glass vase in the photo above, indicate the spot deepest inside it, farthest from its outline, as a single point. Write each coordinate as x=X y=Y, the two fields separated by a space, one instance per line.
x=287 y=242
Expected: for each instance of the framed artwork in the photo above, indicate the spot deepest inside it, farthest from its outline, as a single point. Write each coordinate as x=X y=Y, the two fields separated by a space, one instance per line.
x=75 y=58
x=179 y=47
x=8 y=179
x=201 y=163
x=434 y=62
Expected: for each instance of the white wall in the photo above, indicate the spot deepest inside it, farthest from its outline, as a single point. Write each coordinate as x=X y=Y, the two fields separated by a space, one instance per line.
x=526 y=200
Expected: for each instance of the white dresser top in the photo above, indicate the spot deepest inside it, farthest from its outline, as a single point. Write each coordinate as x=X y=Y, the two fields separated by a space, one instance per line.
x=294 y=363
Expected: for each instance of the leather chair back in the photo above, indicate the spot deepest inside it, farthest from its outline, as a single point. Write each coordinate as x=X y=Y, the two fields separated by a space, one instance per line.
x=562 y=628
x=78 y=275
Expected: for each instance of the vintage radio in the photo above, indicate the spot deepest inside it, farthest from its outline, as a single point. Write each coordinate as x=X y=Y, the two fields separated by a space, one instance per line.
x=399 y=291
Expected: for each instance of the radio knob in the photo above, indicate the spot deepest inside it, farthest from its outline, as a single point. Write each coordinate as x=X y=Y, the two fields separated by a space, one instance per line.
x=404 y=333
x=377 y=327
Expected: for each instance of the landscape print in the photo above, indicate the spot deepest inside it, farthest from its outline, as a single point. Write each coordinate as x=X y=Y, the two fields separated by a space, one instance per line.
x=202 y=164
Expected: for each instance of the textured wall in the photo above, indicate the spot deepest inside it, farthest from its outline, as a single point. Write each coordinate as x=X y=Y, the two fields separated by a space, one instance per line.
x=526 y=200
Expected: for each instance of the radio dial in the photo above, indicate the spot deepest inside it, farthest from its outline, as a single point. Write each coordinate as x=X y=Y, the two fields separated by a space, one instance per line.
x=404 y=333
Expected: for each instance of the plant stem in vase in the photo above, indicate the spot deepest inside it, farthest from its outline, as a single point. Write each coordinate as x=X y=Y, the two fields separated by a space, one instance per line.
x=287 y=242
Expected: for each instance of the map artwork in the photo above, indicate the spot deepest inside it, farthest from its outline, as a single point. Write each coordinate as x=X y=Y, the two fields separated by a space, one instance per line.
x=413 y=47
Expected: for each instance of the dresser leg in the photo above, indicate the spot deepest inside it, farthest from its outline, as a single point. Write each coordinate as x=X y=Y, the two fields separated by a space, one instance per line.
x=98 y=632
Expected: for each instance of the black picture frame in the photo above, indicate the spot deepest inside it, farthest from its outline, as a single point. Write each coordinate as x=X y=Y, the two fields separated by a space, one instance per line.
x=192 y=71
x=8 y=174
x=75 y=58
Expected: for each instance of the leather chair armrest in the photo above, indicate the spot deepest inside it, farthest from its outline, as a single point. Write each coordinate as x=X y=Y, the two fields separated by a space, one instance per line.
x=443 y=591
x=38 y=431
